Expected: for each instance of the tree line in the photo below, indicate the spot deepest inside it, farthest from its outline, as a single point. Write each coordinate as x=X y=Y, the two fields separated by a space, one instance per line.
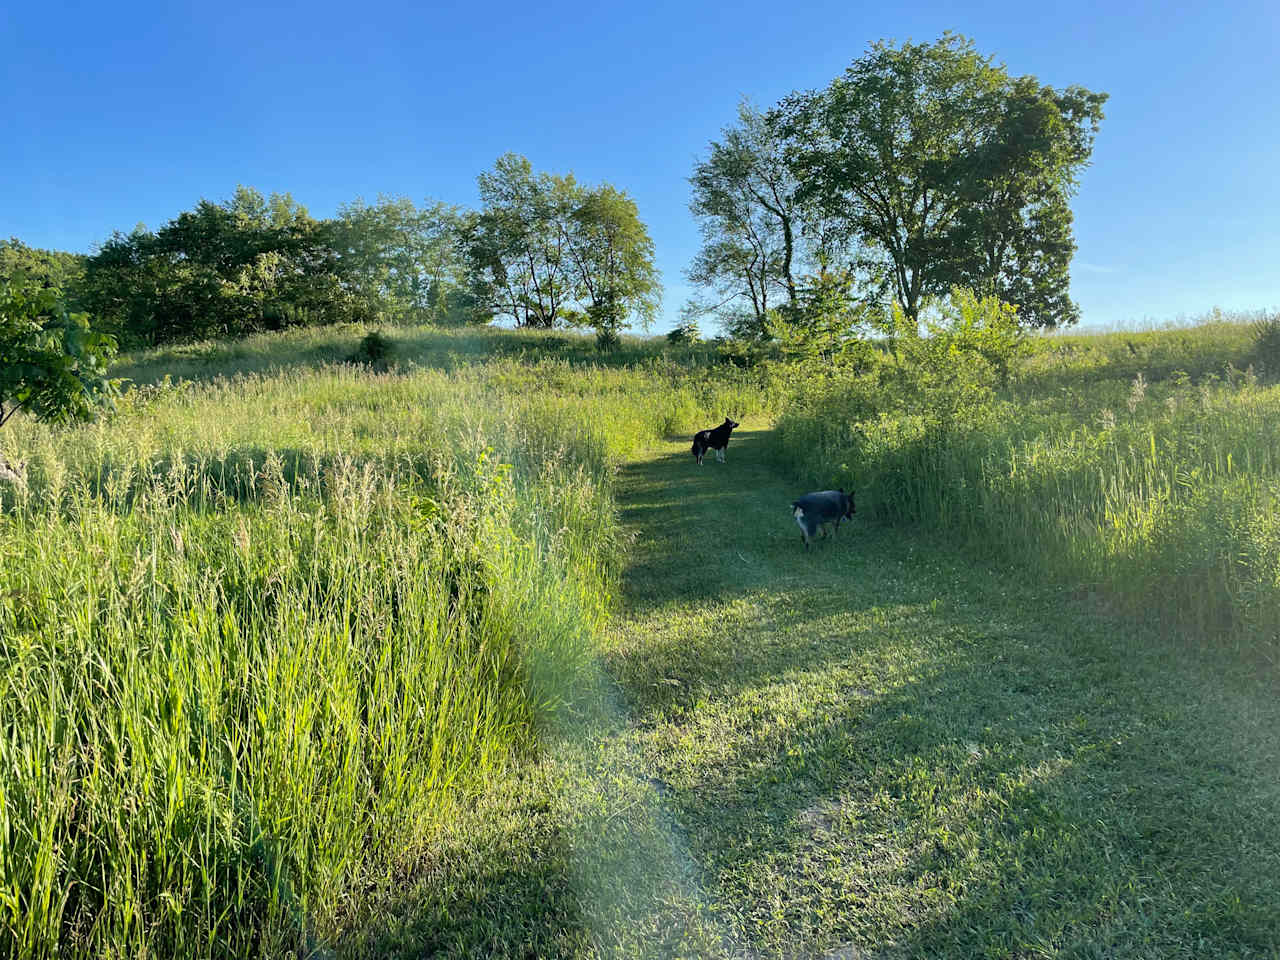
x=543 y=251
x=922 y=170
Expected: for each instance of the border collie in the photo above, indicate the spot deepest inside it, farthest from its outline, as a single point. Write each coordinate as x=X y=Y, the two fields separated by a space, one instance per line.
x=716 y=439
x=815 y=509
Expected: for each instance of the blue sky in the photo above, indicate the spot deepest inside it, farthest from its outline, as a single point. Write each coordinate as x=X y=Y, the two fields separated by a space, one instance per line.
x=124 y=113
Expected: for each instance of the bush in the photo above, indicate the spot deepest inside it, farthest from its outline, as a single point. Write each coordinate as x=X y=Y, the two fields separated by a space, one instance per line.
x=374 y=350
x=686 y=332
x=1266 y=346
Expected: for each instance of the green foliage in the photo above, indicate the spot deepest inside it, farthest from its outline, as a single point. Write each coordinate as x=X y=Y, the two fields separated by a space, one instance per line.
x=402 y=262
x=547 y=251
x=50 y=268
x=686 y=331
x=754 y=231
x=1266 y=345
x=823 y=322
x=374 y=349
x=933 y=161
x=228 y=269
x=965 y=354
x=614 y=273
x=1158 y=491
x=52 y=365
x=607 y=337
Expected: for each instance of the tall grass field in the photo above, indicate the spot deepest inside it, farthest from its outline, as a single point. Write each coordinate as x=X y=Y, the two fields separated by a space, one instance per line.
x=1144 y=467
x=260 y=631
x=281 y=622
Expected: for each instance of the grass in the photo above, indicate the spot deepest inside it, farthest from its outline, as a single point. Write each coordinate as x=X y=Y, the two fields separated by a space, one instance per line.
x=877 y=748
x=408 y=347
x=261 y=635
x=1156 y=491
x=310 y=659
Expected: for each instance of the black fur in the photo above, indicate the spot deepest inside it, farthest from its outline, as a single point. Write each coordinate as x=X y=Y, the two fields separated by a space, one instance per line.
x=814 y=510
x=716 y=439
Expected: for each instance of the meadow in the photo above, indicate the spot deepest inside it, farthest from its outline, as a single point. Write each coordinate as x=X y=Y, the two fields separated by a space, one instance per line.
x=260 y=630
x=457 y=653
x=1143 y=467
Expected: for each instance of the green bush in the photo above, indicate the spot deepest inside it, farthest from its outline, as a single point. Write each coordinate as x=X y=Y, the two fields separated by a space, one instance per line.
x=374 y=350
x=1266 y=346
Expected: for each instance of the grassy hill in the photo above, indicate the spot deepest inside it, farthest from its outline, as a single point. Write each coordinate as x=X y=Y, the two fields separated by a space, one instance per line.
x=459 y=653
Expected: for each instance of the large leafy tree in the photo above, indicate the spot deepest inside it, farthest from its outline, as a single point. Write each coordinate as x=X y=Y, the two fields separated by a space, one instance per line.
x=52 y=364
x=956 y=173
x=612 y=261
x=515 y=245
x=400 y=260
x=744 y=197
x=545 y=250
x=251 y=263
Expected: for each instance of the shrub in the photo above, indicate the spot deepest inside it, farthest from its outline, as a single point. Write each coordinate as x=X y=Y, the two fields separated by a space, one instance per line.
x=1266 y=346
x=374 y=350
x=686 y=332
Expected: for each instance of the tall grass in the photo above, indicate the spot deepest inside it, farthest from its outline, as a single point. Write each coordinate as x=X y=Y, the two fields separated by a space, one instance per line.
x=259 y=634
x=1159 y=494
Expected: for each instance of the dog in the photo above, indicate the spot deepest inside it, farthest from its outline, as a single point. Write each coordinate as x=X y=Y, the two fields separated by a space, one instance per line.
x=716 y=439
x=815 y=509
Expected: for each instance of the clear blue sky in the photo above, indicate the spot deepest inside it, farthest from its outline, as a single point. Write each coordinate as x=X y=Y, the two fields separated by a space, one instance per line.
x=123 y=113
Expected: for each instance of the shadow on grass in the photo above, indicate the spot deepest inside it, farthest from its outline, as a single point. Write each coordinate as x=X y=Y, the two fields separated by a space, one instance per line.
x=719 y=528
x=876 y=743
x=499 y=883
x=1009 y=797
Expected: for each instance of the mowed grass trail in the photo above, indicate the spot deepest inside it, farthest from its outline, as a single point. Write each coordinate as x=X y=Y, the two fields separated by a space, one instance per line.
x=876 y=749
x=880 y=749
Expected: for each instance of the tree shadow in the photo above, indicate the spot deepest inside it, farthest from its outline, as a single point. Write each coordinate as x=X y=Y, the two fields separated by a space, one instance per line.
x=996 y=803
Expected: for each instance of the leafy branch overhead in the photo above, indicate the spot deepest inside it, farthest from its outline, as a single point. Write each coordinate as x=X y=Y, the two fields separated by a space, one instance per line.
x=54 y=365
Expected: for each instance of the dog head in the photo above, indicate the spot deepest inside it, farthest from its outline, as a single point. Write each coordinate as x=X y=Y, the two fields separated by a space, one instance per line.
x=849 y=508
x=731 y=424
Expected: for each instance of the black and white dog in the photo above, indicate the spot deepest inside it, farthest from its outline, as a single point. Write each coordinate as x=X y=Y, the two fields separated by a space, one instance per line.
x=716 y=439
x=814 y=509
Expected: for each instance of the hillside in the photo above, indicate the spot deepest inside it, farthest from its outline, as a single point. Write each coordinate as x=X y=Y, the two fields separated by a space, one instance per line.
x=459 y=653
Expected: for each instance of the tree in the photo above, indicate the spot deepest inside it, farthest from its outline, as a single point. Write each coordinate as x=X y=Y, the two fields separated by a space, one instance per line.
x=744 y=197
x=51 y=268
x=612 y=259
x=52 y=364
x=545 y=251
x=399 y=260
x=228 y=269
x=515 y=246
x=954 y=172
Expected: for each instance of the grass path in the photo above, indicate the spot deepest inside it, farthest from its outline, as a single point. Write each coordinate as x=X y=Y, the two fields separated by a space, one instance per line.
x=876 y=749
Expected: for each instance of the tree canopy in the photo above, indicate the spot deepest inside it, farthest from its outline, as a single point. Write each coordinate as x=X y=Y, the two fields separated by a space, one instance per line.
x=923 y=168
x=546 y=250
x=956 y=173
